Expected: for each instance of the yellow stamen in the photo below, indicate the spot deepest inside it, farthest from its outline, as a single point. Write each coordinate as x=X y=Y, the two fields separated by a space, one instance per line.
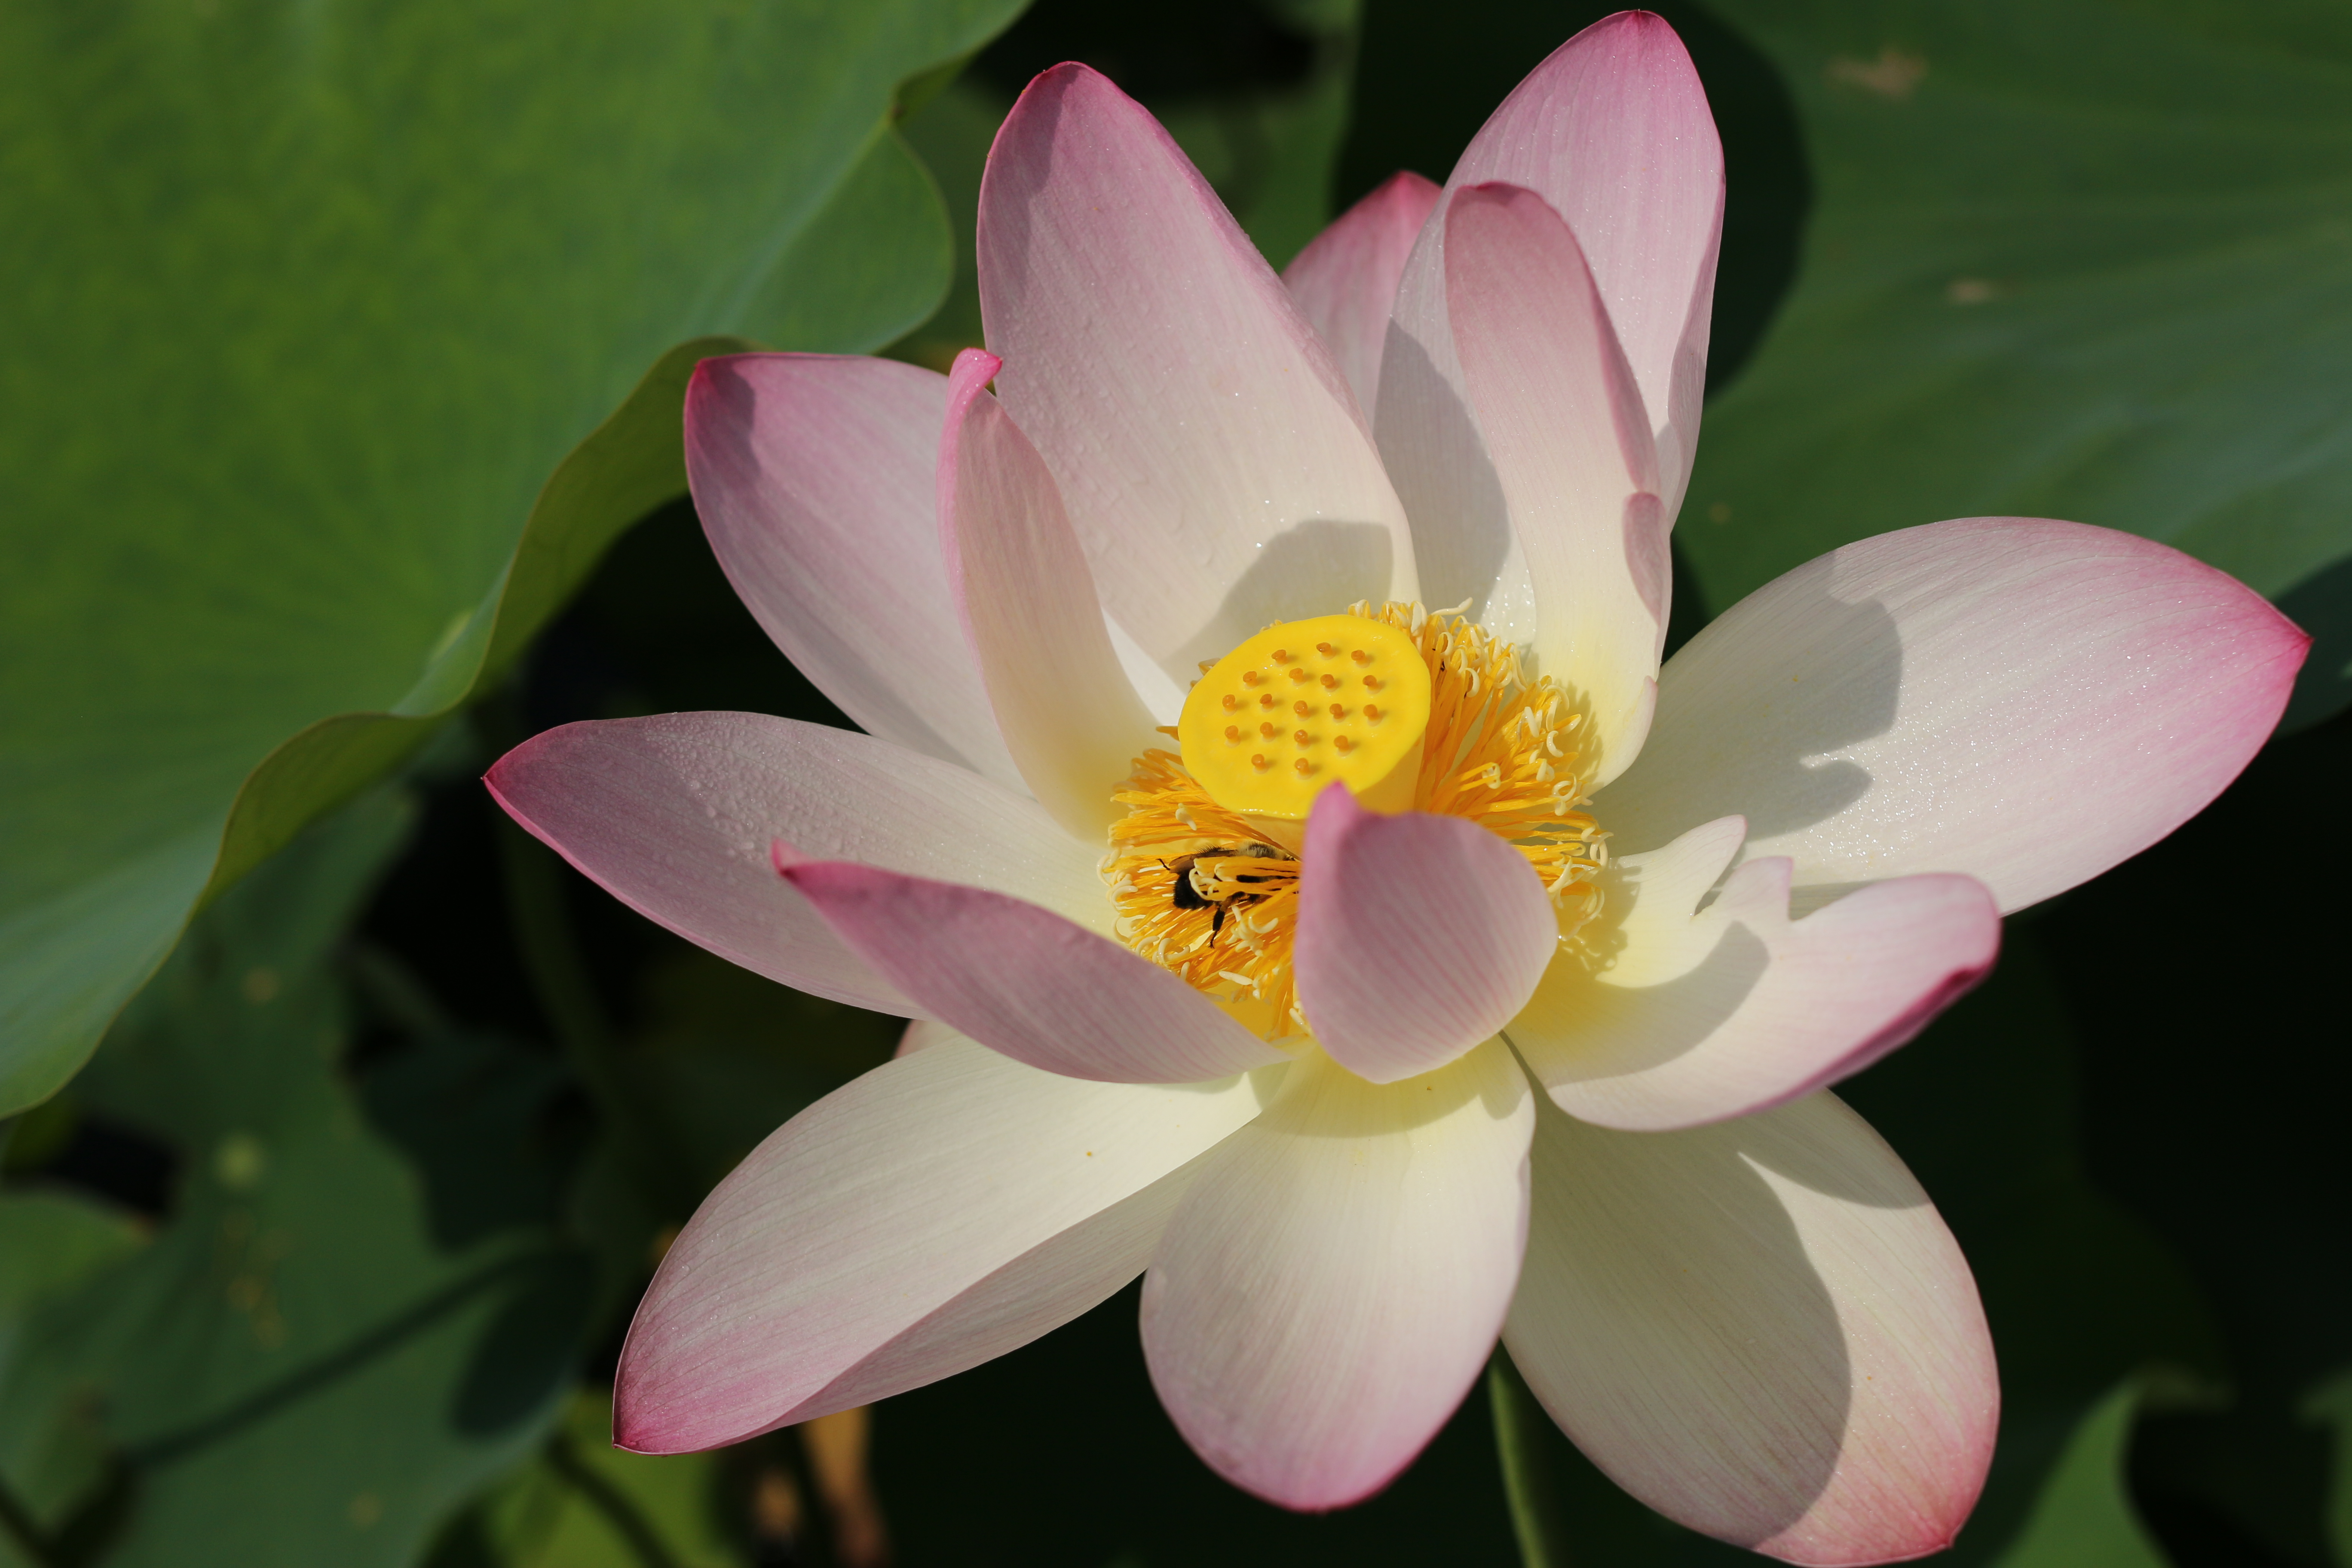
x=1485 y=745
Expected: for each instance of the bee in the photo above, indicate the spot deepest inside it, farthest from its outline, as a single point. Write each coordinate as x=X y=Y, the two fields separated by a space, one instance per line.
x=1189 y=894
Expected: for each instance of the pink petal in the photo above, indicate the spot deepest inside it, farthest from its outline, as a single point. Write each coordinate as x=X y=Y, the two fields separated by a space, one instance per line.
x=1570 y=448
x=1345 y=282
x=1069 y=716
x=674 y=814
x=1331 y=1284
x=813 y=474
x=942 y=1210
x=1024 y=980
x=1614 y=131
x=1211 y=457
x=2022 y=700
x=1702 y=1014
x=1419 y=936
x=1760 y=1328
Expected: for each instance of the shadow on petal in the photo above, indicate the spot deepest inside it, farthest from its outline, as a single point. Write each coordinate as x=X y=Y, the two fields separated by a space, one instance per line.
x=1437 y=460
x=1759 y=1328
x=1772 y=762
x=1644 y=1025
x=1314 y=568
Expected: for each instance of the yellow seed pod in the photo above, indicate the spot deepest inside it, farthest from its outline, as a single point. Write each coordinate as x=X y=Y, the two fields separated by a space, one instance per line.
x=1354 y=702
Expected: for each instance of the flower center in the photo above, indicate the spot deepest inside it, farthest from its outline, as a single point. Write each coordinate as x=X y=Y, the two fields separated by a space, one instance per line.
x=1411 y=711
x=1302 y=705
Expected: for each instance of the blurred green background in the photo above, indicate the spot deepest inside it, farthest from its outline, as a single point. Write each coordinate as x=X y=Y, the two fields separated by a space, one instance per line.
x=339 y=451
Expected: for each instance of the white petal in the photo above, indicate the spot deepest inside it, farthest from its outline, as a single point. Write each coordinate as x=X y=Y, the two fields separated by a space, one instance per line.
x=1613 y=131
x=1761 y=1329
x=1330 y=1286
x=1696 y=1014
x=1346 y=281
x=812 y=475
x=2021 y=701
x=942 y=1210
x=1210 y=455
x=1073 y=724
x=1571 y=452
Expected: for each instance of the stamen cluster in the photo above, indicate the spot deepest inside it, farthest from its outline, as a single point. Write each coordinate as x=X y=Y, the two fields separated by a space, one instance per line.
x=1203 y=892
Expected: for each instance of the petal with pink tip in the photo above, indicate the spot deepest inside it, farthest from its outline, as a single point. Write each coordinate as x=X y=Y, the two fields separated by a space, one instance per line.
x=1614 y=131
x=1418 y=936
x=1761 y=1329
x=1209 y=451
x=1570 y=448
x=812 y=475
x=1069 y=717
x=1024 y=980
x=1697 y=1016
x=937 y=1212
x=1331 y=1284
x=1345 y=281
x=673 y=815
x=2021 y=701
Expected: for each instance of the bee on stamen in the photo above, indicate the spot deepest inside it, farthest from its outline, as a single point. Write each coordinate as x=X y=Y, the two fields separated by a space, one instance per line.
x=1197 y=884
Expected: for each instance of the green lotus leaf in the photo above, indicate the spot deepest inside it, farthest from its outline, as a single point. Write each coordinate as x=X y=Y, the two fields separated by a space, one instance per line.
x=321 y=295
x=360 y=1304
x=2081 y=260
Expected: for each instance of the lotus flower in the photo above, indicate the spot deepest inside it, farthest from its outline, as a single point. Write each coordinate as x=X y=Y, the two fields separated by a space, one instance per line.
x=1434 y=966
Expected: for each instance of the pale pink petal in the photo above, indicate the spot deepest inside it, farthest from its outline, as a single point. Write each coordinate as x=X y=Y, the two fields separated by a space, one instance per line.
x=1418 y=936
x=1211 y=457
x=922 y=1034
x=942 y=1210
x=1614 y=131
x=1071 y=720
x=1701 y=1014
x=1345 y=281
x=673 y=815
x=1024 y=980
x=2022 y=700
x=1331 y=1284
x=812 y=475
x=1761 y=1329
x=1571 y=451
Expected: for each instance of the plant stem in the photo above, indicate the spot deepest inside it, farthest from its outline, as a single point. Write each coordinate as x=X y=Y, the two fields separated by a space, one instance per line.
x=1520 y=1436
